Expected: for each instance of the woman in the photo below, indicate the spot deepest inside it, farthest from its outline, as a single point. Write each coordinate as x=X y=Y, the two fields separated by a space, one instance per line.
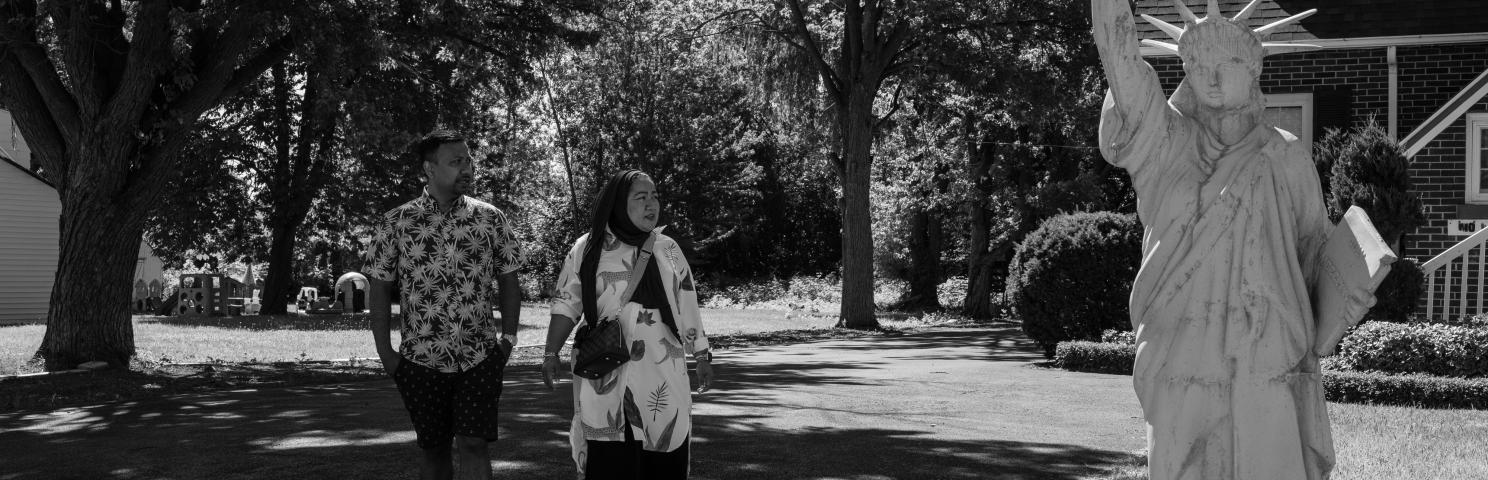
x=636 y=421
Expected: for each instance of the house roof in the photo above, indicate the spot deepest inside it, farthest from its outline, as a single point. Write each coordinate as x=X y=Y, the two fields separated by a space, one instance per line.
x=1336 y=19
x=8 y=161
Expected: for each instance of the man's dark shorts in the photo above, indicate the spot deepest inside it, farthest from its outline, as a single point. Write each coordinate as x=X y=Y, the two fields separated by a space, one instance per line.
x=443 y=405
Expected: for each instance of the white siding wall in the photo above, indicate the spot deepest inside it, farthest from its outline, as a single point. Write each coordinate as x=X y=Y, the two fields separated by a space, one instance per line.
x=28 y=245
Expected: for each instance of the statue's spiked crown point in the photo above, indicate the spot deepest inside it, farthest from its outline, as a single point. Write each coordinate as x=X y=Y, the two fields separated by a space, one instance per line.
x=1213 y=14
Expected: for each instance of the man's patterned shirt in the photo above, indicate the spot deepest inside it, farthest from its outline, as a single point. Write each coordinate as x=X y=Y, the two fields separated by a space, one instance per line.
x=448 y=263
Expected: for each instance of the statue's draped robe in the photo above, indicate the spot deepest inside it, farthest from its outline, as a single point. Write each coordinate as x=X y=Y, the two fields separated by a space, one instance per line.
x=1221 y=306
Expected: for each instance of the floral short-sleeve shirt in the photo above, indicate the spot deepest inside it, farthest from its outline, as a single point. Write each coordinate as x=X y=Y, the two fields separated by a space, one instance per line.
x=447 y=262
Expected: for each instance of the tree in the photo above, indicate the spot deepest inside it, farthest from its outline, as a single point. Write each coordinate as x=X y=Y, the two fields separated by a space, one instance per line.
x=875 y=42
x=106 y=95
x=343 y=97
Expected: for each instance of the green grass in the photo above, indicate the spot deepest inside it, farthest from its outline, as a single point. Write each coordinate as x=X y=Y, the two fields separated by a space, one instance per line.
x=292 y=338
x=1375 y=442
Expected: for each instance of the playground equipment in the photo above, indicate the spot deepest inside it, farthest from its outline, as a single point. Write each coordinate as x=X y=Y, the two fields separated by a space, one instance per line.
x=351 y=288
x=207 y=294
x=147 y=296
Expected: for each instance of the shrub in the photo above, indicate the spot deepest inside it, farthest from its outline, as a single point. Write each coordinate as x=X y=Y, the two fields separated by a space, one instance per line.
x=1442 y=350
x=1082 y=356
x=1339 y=386
x=1396 y=297
x=1369 y=169
x=1411 y=390
x=1119 y=336
x=1071 y=278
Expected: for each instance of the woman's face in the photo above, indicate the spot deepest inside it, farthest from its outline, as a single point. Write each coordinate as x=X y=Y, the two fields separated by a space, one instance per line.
x=641 y=203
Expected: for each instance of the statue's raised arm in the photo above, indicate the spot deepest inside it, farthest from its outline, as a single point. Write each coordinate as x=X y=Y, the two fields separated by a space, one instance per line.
x=1133 y=83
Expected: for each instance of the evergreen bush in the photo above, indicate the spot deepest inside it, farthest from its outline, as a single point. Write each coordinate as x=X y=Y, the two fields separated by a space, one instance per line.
x=1071 y=278
x=1369 y=169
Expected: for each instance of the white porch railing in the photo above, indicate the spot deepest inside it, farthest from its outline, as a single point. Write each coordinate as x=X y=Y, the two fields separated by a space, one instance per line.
x=1460 y=258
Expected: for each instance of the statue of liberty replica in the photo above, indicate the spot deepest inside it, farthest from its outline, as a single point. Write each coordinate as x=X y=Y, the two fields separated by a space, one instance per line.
x=1223 y=306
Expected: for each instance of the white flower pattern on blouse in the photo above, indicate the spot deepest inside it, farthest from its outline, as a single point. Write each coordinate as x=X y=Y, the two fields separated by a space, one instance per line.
x=447 y=263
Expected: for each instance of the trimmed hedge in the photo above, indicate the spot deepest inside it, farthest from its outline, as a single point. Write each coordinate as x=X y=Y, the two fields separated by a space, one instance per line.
x=1339 y=386
x=1071 y=278
x=1413 y=390
x=1082 y=356
x=1441 y=350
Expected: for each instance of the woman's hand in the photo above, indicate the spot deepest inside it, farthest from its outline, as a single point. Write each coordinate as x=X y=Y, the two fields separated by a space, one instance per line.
x=705 y=375
x=550 y=369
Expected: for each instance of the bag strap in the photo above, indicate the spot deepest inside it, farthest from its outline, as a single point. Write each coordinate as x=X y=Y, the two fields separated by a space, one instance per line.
x=639 y=268
x=635 y=272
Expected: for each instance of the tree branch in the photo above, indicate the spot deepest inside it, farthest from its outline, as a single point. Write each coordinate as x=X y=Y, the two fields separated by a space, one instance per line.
x=138 y=81
x=32 y=116
x=830 y=80
x=41 y=73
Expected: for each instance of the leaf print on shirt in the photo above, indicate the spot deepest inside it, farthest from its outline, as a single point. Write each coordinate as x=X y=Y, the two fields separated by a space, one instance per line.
x=665 y=440
x=632 y=413
x=658 y=401
x=637 y=350
x=645 y=318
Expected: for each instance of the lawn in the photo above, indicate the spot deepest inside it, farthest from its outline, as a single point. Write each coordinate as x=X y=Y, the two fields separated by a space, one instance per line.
x=292 y=338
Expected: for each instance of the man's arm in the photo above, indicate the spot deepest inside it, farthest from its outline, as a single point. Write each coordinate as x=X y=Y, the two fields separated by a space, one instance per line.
x=510 y=291
x=379 y=294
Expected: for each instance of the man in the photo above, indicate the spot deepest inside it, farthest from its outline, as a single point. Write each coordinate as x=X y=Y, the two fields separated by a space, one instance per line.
x=1232 y=207
x=452 y=255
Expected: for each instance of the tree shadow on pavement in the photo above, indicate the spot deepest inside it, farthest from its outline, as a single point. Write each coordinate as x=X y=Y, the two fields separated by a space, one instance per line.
x=361 y=431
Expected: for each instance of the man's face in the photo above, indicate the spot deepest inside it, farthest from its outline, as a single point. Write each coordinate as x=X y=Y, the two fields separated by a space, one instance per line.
x=450 y=169
x=1220 y=82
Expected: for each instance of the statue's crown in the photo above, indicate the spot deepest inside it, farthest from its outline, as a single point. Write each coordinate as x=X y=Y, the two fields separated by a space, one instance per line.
x=1216 y=26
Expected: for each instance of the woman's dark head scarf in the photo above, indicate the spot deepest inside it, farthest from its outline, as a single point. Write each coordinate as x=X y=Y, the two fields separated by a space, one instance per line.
x=609 y=211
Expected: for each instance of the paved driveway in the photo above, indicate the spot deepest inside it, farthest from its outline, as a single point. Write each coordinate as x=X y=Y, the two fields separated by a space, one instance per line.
x=956 y=403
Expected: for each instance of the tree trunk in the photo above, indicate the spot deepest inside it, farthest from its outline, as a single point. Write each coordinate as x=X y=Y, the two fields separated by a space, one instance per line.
x=857 y=228
x=278 y=280
x=979 y=278
x=89 y=315
x=926 y=240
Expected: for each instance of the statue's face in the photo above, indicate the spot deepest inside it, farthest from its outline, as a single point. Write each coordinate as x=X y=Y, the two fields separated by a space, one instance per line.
x=1221 y=83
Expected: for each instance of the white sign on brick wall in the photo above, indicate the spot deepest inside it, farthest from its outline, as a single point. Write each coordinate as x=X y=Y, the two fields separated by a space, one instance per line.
x=1465 y=227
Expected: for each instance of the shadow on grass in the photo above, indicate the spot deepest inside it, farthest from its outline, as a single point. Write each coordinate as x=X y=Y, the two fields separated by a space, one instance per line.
x=361 y=431
x=267 y=322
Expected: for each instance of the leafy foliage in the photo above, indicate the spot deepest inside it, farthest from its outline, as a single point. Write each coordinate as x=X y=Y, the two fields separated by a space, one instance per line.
x=1415 y=390
x=1397 y=295
x=1369 y=169
x=1098 y=357
x=1071 y=278
x=1433 y=349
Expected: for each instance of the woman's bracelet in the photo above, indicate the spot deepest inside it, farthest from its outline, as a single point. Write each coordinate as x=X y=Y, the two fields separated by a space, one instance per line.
x=550 y=355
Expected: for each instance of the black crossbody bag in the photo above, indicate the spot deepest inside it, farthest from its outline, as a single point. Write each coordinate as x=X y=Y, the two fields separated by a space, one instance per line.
x=601 y=345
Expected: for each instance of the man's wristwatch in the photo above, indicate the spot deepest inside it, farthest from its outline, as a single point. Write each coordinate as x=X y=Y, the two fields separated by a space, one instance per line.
x=703 y=356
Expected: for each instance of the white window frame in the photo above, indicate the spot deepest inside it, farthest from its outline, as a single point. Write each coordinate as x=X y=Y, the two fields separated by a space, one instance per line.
x=1303 y=100
x=1475 y=123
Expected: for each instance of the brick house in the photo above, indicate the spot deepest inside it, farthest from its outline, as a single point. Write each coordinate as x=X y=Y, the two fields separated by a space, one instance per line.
x=1419 y=67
